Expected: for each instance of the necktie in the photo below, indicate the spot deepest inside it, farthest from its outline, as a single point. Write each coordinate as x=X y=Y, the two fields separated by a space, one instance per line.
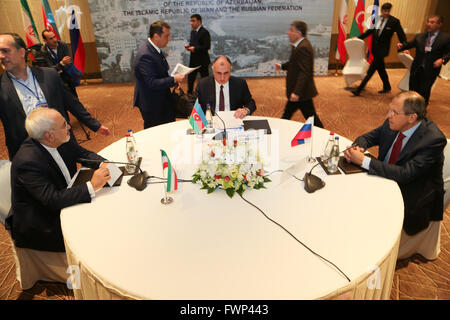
x=221 y=100
x=396 y=148
x=381 y=27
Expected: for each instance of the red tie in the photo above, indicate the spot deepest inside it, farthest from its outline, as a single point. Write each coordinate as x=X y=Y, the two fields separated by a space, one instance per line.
x=221 y=100
x=396 y=148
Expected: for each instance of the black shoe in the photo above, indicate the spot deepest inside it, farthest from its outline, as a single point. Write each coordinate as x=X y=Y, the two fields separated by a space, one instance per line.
x=355 y=92
x=384 y=91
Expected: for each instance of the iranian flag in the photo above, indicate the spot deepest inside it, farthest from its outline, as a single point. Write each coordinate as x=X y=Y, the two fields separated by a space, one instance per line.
x=358 y=19
x=31 y=34
x=172 y=183
x=342 y=36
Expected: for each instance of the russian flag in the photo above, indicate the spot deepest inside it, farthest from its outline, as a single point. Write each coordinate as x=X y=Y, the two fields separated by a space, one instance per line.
x=304 y=133
x=77 y=43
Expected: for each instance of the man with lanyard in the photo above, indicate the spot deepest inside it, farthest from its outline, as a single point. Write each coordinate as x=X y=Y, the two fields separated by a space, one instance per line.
x=58 y=56
x=23 y=88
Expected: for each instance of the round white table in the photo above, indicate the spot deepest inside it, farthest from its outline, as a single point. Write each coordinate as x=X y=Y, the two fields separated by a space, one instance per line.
x=126 y=244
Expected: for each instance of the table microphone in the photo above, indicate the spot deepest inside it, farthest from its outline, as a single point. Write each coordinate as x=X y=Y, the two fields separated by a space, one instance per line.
x=137 y=181
x=223 y=134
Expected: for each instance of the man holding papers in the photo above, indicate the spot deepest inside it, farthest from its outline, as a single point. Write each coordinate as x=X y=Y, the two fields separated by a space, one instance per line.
x=224 y=92
x=410 y=153
x=40 y=173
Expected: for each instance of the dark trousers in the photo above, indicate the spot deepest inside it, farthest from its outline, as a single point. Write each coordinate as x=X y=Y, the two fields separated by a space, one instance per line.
x=421 y=82
x=377 y=65
x=307 y=109
x=204 y=72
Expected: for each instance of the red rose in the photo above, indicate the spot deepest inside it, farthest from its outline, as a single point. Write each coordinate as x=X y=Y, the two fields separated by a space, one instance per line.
x=227 y=178
x=216 y=176
x=212 y=154
x=224 y=141
x=235 y=143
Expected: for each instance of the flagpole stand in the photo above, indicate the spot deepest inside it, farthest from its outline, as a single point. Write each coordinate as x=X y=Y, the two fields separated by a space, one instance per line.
x=167 y=200
x=310 y=159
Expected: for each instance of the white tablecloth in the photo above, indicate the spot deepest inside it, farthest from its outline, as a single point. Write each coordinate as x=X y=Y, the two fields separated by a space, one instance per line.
x=126 y=244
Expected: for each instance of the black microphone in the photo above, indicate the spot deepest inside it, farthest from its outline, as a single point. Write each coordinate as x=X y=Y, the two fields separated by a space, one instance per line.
x=137 y=181
x=222 y=134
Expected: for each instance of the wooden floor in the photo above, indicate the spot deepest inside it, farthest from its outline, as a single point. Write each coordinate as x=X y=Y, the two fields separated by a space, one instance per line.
x=348 y=116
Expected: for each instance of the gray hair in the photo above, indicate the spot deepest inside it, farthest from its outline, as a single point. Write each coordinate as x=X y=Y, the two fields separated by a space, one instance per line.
x=413 y=103
x=39 y=121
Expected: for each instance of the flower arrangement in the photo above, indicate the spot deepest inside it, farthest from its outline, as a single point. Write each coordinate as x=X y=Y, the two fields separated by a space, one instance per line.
x=233 y=167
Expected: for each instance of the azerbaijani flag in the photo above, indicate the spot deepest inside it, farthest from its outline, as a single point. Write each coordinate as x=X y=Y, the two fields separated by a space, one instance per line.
x=358 y=19
x=172 y=183
x=304 y=133
x=49 y=21
x=77 y=43
x=197 y=118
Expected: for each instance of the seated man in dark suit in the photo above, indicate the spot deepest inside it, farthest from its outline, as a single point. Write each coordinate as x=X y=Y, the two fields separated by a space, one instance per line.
x=23 y=88
x=223 y=92
x=410 y=153
x=40 y=174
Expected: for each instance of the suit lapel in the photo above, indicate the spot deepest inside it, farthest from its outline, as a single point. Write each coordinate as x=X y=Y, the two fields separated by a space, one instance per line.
x=161 y=57
x=52 y=163
x=412 y=142
x=388 y=141
x=11 y=94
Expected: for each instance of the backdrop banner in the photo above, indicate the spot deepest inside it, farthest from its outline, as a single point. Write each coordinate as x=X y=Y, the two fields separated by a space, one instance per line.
x=252 y=33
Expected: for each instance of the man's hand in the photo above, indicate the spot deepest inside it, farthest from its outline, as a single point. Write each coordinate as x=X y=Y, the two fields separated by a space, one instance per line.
x=100 y=177
x=179 y=78
x=66 y=60
x=294 y=98
x=399 y=45
x=104 y=130
x=438 y=63
x=241 y=113
x=355 y=155
x=277 y=66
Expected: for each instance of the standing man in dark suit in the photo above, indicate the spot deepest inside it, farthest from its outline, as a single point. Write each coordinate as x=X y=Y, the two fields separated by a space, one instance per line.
x=23 y=88
x=57 y=55
x=223 y=92
x=300 y=86
x=382 y=33
x=432 y=51
x=152 y=89
x=410 y=153
x=40 y=174
x=199 y=45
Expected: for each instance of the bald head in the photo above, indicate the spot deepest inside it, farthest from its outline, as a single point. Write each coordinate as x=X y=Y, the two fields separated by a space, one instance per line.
x=222 y=69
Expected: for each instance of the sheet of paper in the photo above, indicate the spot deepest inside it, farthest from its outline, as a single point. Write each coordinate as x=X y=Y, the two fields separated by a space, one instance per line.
x=181 y=69
x=228 y=118
x=114 y=172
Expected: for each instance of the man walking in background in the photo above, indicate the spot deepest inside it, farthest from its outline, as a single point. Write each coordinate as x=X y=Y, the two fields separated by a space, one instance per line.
x=382 y=33
x=199 y=45
x=300 y=86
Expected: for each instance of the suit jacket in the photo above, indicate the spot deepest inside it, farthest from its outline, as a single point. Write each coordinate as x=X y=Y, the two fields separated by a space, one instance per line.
x=39 y=192
x=152 y=89
x=382 y=43
x=240 y=95
x=12 y=113
x=300 y=72
x=201 y=40
x=439 y=49
x=418 y=171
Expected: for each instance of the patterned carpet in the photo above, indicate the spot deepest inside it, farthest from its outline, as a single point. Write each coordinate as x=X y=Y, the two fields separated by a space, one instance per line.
x=415 y=278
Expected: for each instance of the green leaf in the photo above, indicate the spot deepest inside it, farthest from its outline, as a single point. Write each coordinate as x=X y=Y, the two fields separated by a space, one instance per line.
x=230 y=192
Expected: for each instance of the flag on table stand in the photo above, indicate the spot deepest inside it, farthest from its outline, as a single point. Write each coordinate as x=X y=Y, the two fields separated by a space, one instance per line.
x=197 y=118
x=172 y=182
x=341 y=52
x=305 y=133
x=373 y=20
x=49 y=21
x=358 y=19
x=31 y=34
x=77 y=43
